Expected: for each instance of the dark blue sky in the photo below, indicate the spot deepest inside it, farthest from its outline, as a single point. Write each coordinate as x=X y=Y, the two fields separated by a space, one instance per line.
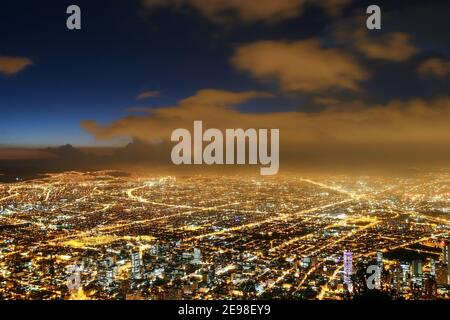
x=123 y=50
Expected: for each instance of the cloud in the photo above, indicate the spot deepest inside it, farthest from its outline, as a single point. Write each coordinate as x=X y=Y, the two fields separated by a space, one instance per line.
x=140 y=109
x=147 y=94
x=377 y=45
x=214 y=105
x=333 y=7
x=247 y=11
x=398 y=123
x=300 y=66
x=435 y=66
x=394 y=46
x=329 y=102
x=13 y=65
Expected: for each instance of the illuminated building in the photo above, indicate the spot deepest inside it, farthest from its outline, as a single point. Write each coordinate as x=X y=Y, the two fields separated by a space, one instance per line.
x=136 y=264
x=405 y=271
x=380 y=266
x=417 y=268
x=380 y=259
x=445 y=253
x=154 y=250
x=397 y=278
x=348 y=269
x=197 y=256
x=441 y=274
x=433 y=267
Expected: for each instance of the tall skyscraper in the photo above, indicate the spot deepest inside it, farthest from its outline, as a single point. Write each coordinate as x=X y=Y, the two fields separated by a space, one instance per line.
x=433 y=267
x=154 y=250
x=136 y=264
x=348 y=269
x=447 y=245
x=110 y=274
x=397 y=280
x=406 y=271
x=441 y=274
x=417 y=268
x=106 y=272
x=446 y=257
x=380 y=268
x=445 y=252
x=379 y=258
x=197 y=256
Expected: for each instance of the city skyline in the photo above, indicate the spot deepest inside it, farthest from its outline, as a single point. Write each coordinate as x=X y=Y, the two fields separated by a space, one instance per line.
x=112 y=235
x=137 y=71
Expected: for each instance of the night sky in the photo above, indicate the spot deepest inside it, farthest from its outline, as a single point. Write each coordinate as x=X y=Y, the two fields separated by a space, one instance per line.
x=80 y=87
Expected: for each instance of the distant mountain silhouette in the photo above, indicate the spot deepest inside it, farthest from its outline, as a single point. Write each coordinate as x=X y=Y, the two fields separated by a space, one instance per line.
x=139 y=151
x=68 y=152
x=68 y=157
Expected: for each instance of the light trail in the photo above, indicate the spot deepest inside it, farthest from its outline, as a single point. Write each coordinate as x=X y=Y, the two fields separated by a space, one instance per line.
x=325 y=186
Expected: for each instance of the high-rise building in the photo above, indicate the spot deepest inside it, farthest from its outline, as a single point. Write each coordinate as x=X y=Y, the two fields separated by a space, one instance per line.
x=136 y=264
x=430 y=287
x=445 y=252
x=380 y=268
x=154 y=250
x=397 y=279
x=197 y=256
x=417 y=268
x=348 y=269
x=380 y=259
x=446 y=257
x=447 y=245
x=433 y=267
x=406 y=271
x=305 y=262
x=110 y=275
x=441 y=274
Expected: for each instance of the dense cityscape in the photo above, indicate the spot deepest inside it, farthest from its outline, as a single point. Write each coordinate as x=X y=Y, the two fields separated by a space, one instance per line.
x=113 y=235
